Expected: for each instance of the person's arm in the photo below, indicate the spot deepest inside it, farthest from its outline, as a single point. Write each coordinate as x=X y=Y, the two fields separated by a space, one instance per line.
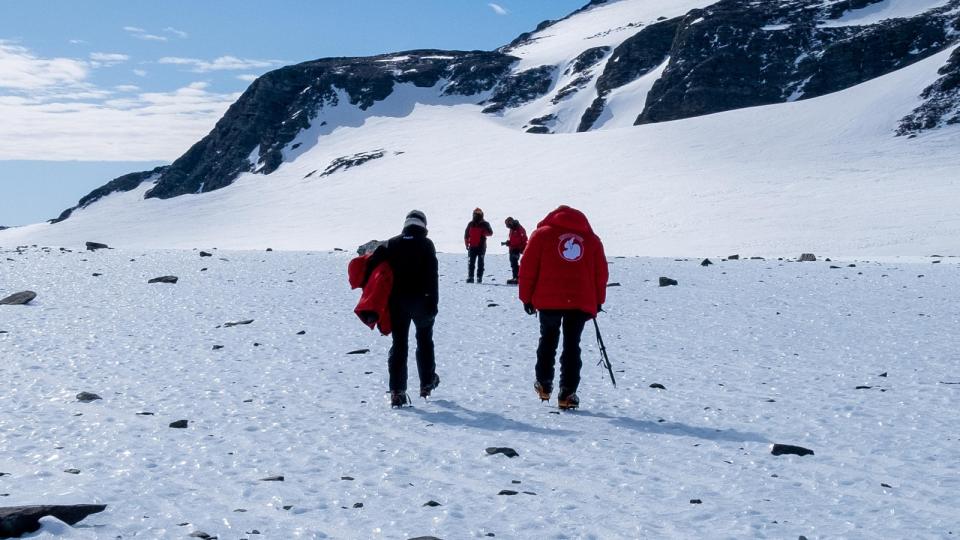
x=433 y=283
x=379 y=255
x=602 y=271
x=529 y=269
x=487 y=229
x=466 y=236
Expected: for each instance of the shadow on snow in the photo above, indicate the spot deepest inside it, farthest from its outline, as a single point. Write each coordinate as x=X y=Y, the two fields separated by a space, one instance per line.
x=678 y=429
x=456 y=415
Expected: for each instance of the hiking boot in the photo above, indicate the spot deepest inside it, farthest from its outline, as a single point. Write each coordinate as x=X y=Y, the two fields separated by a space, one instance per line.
x=469 y=280
x=426 y=390
x=567 y=400
x=512 y=281
x=399 y=399
x=479 y=279
x=543 y=391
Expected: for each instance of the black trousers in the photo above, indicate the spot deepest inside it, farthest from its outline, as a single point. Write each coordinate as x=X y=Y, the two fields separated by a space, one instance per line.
x=572 y=323
x=476 y=262
x=403 y=313
x=515 y=263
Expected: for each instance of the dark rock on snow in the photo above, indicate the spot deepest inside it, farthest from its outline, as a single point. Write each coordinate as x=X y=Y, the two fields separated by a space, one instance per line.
x=272 y=479
x=509 y=452
x=180 y=424
x=781 y=449
x=17 y=521
x=87 y=397
x=658 y=386
x=164 y=279
x=369 y=247
x=432 y=503
x=507 y=492
x=93 y=246
x=807 y=257
x=359 y=351
x=667 y=282
x=205 y=254
x=18 y=299
x=238 y=323
x=706 y=262
x=348 y=162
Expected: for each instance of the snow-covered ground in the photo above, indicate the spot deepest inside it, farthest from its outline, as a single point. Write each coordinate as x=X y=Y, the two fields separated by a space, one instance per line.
x=884 y=10
x=750 y=352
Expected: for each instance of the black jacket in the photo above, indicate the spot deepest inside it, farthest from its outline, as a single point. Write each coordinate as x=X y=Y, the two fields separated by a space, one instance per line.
x=413 y=259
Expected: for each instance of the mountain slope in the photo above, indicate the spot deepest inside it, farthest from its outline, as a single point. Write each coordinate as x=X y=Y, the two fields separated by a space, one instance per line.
x=320 y=154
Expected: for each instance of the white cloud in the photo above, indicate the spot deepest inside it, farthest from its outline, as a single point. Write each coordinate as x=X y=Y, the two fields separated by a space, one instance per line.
x=77 y=42
x=127 y=88
x=146 y=126
x=223 y=63
x=498 y=9
x=247 y=77
x=140 y=33
x=179 y=33
x=23 y=71
x=98 y=59
x=140 y=72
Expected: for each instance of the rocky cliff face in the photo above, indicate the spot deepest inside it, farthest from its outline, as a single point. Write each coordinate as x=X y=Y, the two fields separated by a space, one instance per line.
x=941 y=105
x=735 y=54
x=727 y=55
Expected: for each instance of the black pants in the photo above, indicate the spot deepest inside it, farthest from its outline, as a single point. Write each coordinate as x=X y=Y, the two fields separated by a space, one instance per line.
x=515 y=263
x=572 y=323
x=403 y=313
x=476 y=261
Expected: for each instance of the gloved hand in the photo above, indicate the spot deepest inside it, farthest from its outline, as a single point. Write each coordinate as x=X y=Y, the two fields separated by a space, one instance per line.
x=504 y=243
x=599 y=308
x=530 y=309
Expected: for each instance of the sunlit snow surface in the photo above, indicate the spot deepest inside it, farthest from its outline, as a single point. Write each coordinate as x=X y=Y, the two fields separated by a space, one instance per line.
x=750 y=352
x=886 y=9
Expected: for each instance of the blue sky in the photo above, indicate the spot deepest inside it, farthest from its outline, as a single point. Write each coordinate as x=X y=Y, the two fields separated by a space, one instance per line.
x=103 y=81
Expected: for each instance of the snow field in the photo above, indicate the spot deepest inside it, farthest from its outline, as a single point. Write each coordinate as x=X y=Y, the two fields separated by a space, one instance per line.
x=725 y=342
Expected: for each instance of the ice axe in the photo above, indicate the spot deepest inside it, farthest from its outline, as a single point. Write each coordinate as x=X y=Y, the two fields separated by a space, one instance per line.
x=604 y=359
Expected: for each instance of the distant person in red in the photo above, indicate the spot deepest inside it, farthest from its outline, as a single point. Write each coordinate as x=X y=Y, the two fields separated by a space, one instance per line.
x=563 y=275
x=516 y=243
x=475 y=239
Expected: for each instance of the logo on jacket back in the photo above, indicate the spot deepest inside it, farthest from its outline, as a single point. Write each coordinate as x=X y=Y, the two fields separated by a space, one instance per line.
x=571 y=247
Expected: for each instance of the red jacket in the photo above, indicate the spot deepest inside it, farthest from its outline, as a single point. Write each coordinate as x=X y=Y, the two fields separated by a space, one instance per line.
x=564 y=266
x=476 y=234
x=518 y=239
x=374 y=305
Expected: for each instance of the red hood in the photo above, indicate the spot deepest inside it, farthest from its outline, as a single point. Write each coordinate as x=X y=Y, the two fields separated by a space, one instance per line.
x=568 y=219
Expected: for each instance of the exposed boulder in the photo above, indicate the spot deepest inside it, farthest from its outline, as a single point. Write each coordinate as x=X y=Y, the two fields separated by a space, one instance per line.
x=369 y=247
x=18 y=299
x=16 y=521
x=808 y=257
x=93 y=246
x=667 y=282
x=164 y=279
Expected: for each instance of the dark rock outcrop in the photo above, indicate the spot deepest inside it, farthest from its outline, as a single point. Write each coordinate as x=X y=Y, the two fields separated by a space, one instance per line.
x=127 y=182
x=164 y=279
x=732 y=54
x=509 y=452
x=667 y=282
x=348 y=162
x=519 y=88
x=782 y=449
x=18 y=299
x=93 y=246
x=16 y=521
x=941 y=104
x=87 y=397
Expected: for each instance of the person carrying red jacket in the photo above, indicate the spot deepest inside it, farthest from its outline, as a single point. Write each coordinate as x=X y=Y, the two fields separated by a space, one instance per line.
x=475 y=239
x=563 y=275
x=414 y=298
x=516 y=243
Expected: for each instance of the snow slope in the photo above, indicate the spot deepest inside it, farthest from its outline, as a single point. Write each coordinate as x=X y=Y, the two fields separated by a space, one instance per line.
x=822 y=175
x=881 y=11
x=750 y=353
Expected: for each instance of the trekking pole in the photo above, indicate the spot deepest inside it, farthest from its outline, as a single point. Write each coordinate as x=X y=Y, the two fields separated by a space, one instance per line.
x=604 y=359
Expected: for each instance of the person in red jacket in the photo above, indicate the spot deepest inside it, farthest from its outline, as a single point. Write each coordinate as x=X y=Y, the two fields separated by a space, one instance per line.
x=516 y=243
x=475 y=239
x=563 y=275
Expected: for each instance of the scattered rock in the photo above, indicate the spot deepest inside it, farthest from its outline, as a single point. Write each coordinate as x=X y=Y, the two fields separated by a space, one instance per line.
x=863 y=387
x=884 y=374
x=658 y=386
x=614 y=284
x=432 y=503
x=238 y=323
x=72 y=471
x=201 y=534
x=733 y=258
x=347 y=478
x=18 y=299
x=888 y=486
x=272 y=479
x=358 y=505
x=96 y=274
x=507 y=492
x=205 y=254
x=217 y=347
x=269 y=249
x=509 y=452
x=667 y=282
x=359 y=351
x=145 y=413
x=302 y=333
x=164 y=279
x=781 y=449
x=16 y=521
x=706 y=262
x=369 y=247
x=87 y=397
x=833 y=267
x=808 y=257
x=180 y=424
x=696 y=501
x=93 y=246
x=492 y=305
x=425 y=538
